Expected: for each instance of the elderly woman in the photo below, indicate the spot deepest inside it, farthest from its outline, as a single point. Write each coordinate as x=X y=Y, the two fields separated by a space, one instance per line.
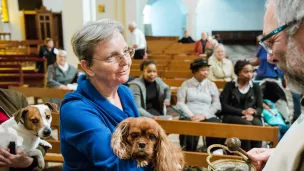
x=242 y=101
x=221 y=68
x=47 y=51
x=60 y=74
x=151 y=94
x=89 y=116
x=198 y=99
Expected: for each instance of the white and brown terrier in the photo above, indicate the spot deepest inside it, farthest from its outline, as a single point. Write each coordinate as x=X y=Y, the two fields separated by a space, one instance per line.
x=27 y=128
x=144 y=140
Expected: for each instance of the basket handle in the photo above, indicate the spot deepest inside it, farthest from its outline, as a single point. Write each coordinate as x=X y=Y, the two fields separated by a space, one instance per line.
x=244 y=157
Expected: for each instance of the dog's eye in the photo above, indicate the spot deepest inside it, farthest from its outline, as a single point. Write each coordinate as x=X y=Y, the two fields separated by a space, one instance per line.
x=134 y=135
x=35 y=120
x=152 y=136
x=48 y=116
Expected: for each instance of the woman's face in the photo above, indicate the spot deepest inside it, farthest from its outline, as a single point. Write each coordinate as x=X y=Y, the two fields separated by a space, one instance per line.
x=107 y=72
x=50 y=44
x=220 y=53
x=246 y=73
x=150 y=72
x=202 y=73
x=61 y=59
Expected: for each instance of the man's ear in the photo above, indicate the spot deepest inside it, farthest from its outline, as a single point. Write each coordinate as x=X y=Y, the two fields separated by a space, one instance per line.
x=52 y=106
x=85 y=66
x=20 y=115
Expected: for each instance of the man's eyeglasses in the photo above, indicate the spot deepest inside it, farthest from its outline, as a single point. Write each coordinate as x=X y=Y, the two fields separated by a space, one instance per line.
x=274 y=32
x=128 y=53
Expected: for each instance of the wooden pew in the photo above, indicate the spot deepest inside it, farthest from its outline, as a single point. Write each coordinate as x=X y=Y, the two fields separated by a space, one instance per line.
x=173 y=82
x=221 y=130
x=22 y=47
x=245 y=132
x=177 y=75
x=178 y=48
x=157 y=45
x=160 y=57
x=135 y=73
x=41 y=92
x=11 y=75
x=160 y=67
x=220 y=84
x=28 y=64
x=185 y=57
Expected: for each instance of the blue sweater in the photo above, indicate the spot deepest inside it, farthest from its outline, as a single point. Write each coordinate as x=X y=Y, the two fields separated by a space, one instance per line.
x=87 y=121
x=266 y=69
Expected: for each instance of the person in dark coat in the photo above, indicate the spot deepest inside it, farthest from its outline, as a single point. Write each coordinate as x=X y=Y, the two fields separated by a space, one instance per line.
x=242 y=101
x=47 y=51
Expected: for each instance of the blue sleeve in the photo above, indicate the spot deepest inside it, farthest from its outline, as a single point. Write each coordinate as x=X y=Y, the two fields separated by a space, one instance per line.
x=258 y=54
x=89 y=135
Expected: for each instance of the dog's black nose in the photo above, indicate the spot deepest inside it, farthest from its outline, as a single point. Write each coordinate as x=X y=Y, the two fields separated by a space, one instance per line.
x=142 y=145
x=47 y=132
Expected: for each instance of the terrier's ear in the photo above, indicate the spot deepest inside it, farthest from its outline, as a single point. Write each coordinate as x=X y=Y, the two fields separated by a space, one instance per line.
x=20 y=114
x=52 y=106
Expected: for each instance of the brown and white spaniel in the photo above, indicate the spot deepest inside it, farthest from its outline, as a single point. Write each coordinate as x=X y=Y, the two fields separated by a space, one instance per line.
x=144 y=140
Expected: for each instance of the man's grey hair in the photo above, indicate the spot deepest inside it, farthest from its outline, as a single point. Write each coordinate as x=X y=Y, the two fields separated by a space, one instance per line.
x=133 y=24
x=85 y=40
x=288 y=10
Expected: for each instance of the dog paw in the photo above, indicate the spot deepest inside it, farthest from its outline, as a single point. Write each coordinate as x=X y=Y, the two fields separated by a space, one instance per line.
x=45 y=144
x=36 y=153
x=41 y=163
x=141 y=163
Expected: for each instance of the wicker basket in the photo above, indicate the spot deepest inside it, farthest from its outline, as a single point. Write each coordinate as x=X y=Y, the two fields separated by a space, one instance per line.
x=229 y=164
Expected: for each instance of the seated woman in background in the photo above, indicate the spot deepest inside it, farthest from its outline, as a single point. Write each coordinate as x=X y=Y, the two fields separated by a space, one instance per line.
x=221 y=68
x=151 y=94
x=198 y=99
x=47 y=51
x=60 y=74
x=242 y=101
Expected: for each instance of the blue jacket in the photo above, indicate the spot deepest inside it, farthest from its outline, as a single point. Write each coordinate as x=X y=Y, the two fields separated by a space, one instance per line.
x=87 y=121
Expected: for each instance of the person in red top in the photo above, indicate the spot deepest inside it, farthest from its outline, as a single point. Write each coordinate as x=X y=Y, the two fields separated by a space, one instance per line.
x=202 y=45
x=11 y=102
x=3 y=117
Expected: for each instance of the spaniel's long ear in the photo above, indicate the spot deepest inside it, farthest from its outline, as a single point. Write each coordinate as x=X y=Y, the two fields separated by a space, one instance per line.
x=52 y=106
x=169 y=157
x=119 y=140
x=20 y=115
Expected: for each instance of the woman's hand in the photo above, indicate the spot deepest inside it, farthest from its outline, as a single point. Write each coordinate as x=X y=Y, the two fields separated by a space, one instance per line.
x=201 y=117
x=155 y=117
x=167 y=104
x=20 y=160
x=197 y=118
x=63 y=87
x=194 y=118
x=249 y=111
x=248 y=117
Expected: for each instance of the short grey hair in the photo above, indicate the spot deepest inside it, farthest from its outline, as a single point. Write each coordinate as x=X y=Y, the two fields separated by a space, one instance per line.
x=85 y=40
x=61 y=52
x=288 y=10
x=133 y=24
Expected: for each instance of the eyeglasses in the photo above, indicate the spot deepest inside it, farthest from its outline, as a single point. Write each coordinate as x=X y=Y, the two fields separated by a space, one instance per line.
x=128 y=53
x=265 y=45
